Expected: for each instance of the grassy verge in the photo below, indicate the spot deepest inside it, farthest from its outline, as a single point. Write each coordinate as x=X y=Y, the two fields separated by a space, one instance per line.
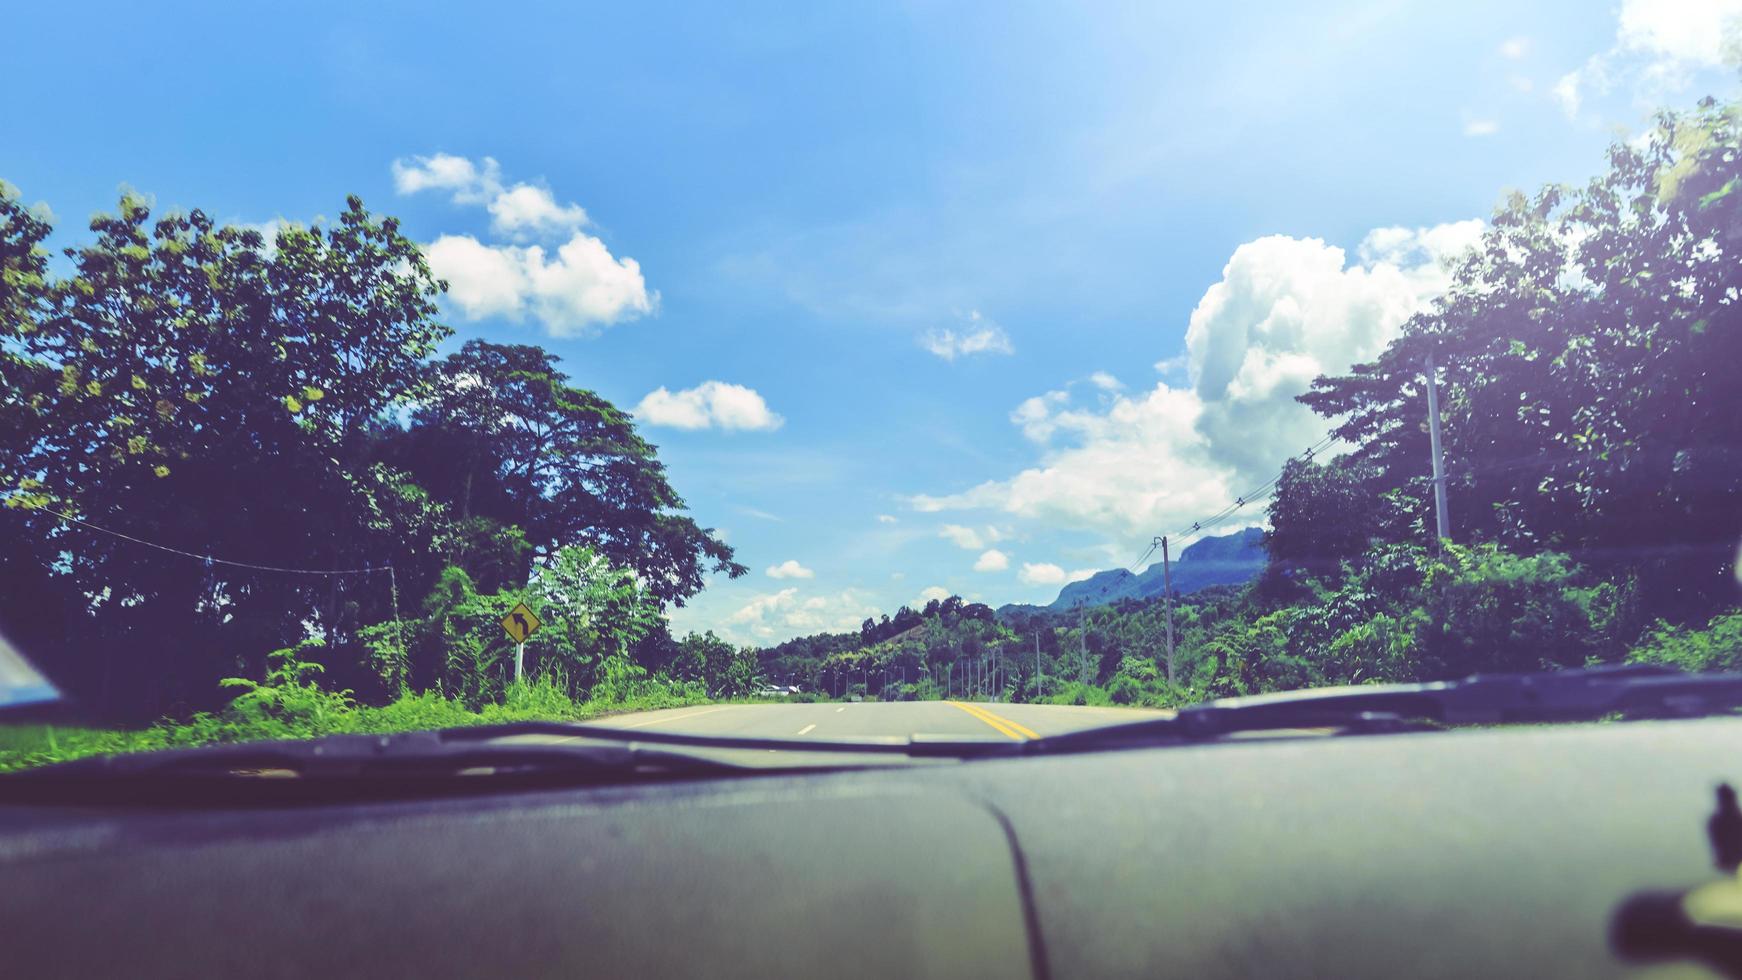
x=308 y=712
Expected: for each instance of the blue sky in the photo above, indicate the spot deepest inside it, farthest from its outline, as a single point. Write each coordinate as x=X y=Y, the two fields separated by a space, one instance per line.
x=988 y=293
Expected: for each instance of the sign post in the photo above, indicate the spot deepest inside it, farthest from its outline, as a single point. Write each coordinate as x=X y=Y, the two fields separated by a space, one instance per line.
x=519 y=624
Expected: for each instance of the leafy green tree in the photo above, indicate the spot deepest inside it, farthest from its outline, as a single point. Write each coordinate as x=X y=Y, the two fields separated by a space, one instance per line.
x=188 y=385
x=503 y=440
x=1582 y=345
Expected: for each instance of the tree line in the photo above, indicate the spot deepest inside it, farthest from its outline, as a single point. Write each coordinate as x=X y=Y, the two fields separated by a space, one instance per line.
x=280 y=406
x=1587 y=355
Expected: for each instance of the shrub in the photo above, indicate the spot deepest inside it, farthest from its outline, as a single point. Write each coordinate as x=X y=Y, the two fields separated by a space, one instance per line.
x=1717 y=647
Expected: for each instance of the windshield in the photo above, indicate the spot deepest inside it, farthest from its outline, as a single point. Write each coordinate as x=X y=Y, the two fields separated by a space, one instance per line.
x=850 y=373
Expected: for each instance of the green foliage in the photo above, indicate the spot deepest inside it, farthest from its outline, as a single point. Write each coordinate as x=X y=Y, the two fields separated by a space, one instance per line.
x=276 y=403
x=1717 y=647
x=288 y=703
x=1582 y=408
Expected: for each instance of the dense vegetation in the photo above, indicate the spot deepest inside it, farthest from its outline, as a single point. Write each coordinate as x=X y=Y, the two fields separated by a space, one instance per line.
x=280 y=405
x=1588 y=352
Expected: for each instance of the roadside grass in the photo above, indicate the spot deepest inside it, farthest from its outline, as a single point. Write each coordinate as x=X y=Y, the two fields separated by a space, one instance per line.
x=308 y=712
x=295 y=708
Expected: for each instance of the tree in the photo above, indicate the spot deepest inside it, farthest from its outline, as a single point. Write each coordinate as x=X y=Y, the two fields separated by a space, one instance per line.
x=1586 y=392
x=189 y=386
x=503 y=440
x=1322 y=514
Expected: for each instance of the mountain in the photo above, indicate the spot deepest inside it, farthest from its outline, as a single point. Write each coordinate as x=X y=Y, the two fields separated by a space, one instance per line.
x=1231 y=559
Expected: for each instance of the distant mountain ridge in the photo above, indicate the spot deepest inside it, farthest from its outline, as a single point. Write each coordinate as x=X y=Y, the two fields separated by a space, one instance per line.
x=1231 y=559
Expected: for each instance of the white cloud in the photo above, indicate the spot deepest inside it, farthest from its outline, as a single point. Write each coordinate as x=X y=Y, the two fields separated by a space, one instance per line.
x=968 y=538
x=1659 y=45
x=514 y=209
x=778 y=615
x=1105 y=381
x=992 y=560
x=1566 y=92
x=886 y=519
x=525 y=208
x=790 y=569
x=1480 y=127
x=1515 y=47
x=929 y=593
x=578 y=286
x=1285 y=311
x=979 y=336
x=1046 y=573
x=711 y=404
x=469 y=183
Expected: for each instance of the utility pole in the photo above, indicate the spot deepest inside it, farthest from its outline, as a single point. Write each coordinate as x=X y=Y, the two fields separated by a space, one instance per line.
x=1037 y=665
x=1083 y=650
x=1442 y=520
x=1167 y=602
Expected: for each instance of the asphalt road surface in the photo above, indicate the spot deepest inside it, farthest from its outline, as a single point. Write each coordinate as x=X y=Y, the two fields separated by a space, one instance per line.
x=958 y=719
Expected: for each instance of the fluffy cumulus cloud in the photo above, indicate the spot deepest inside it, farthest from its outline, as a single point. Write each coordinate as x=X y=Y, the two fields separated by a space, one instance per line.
x=549 y=269
x=970 y=538
x=709 y=405
x=977 y=335
x=1046 y=573
x=791 y=613
x=930 y=593
x=1285 y=311
x=992 y=560
x=1659 y=46
x=790 y=569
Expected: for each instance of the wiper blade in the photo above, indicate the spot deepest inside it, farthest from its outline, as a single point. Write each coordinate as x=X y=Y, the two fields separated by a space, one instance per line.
x=353 y=767
x=511 y=756
x=1587 y=694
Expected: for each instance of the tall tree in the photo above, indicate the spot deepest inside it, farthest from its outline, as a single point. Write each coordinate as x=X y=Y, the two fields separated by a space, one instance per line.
x=189 y=385
x=502 y=437
x=1587 y=348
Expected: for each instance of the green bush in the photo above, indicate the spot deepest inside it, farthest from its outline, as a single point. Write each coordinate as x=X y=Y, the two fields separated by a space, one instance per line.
x=288 y=704
x=1717 y=647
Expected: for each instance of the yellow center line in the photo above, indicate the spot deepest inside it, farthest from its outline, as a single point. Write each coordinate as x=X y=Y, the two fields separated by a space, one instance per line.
x=1003 y=726
x=1024 y=729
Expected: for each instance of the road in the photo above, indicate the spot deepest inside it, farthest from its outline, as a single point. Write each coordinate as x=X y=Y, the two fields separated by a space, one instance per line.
x=957 y=719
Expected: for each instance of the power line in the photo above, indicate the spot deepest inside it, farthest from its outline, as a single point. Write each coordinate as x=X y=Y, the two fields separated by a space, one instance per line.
x=1251 y=497
x=1147 y=552
x=366 y=569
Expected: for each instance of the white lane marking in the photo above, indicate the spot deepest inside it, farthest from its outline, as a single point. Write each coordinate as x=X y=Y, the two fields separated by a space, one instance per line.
x=839 y=710
x=806 y=729
x=693 y=714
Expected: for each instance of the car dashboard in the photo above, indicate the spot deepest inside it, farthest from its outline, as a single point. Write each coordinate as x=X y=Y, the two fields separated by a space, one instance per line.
x=1490 y=852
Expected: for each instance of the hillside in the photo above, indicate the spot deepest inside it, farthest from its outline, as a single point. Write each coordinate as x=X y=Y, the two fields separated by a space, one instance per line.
x=1231 y=559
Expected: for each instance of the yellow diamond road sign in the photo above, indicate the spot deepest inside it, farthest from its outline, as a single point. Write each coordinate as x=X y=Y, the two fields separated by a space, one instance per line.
x=520 y=623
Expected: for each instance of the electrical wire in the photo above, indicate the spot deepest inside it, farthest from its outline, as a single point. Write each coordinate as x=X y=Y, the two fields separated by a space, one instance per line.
x=1253 y=496
x=365 y=570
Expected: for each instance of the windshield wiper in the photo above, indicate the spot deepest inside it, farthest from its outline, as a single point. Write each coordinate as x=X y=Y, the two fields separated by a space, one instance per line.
x=487 y=758
x=1588 y=694
x=365 y=766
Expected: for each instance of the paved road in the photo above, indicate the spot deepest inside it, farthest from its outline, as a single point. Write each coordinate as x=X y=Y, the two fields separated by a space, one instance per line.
x=893 y=718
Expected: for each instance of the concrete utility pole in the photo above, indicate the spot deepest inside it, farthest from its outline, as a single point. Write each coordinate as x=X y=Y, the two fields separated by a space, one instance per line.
x=1167 y=602
x=1442 y=520
x=1037 y=666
